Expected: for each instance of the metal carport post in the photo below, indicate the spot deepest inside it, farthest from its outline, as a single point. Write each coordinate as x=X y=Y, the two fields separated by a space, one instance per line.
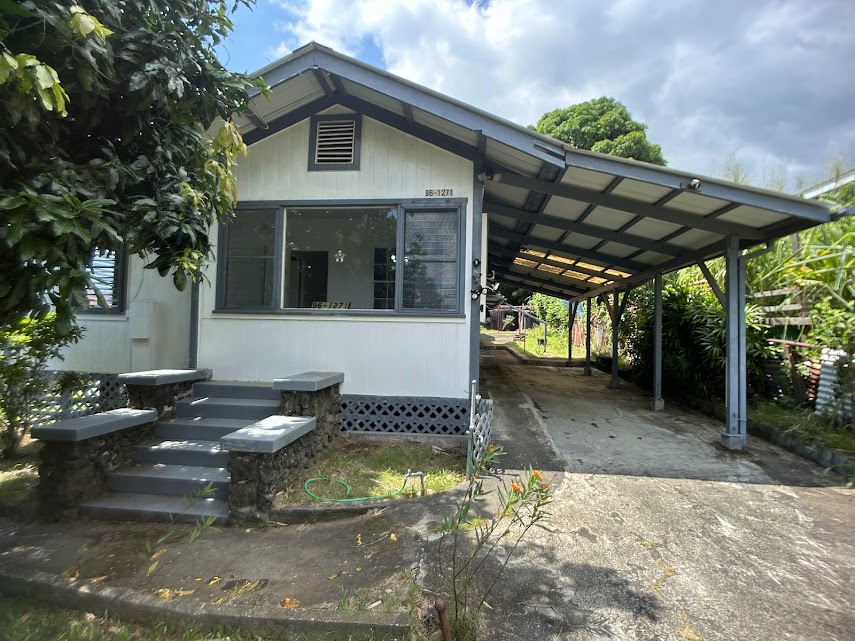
x=588 y=302
x=735 y=433
x=656 y=403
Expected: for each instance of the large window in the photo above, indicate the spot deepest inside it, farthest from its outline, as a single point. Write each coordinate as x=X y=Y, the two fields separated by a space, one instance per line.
x=331 y=256
x=388 y=258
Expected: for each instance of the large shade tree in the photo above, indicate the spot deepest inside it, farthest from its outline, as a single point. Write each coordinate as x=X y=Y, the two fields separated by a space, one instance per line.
x=103 y=143
x=604 y=125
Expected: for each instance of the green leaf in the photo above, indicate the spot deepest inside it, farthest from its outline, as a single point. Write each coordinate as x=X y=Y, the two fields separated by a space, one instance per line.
x=179 y=278
x=14 y=8
x=8 y=64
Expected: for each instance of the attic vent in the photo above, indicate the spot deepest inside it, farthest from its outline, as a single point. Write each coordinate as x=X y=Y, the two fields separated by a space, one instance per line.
x=335 y=143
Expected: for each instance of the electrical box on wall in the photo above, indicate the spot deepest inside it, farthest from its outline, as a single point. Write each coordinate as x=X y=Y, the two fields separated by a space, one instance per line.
x=140 y=319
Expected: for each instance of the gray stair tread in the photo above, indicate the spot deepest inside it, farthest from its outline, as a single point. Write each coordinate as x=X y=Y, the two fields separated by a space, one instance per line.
x=236 y=389
x=176 y=472
x=236 y=423
x=218 y=383
x=127 y=505
x=185 y=445
x=216 y=400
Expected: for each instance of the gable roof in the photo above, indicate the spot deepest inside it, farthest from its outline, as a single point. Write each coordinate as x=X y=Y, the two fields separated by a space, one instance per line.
x=563 y=221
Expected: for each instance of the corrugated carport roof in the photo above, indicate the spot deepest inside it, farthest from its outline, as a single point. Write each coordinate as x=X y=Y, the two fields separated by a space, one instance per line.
x=563 y=221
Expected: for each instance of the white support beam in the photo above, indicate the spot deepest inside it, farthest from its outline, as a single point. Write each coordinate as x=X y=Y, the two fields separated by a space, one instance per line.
x=734 y=436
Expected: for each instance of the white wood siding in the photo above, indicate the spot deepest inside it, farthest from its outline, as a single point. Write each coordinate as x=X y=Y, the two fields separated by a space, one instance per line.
x=106 y=346
x=385 y=356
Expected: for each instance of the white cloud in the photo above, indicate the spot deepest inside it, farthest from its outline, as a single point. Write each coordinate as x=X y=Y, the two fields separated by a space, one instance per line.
x=766 y=80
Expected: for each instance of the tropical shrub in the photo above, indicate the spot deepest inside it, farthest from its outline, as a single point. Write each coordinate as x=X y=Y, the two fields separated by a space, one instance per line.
x=693 y=339
x=551 y=310
x=25 y=349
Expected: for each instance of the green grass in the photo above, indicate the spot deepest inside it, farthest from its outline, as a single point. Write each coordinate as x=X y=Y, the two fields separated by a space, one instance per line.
x=19 y=474
x=801 y=422
x=25 y=620
x=556 y=344
x=377 y=470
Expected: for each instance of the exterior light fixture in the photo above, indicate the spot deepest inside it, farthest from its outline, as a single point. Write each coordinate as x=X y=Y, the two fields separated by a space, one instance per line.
x=339 y=256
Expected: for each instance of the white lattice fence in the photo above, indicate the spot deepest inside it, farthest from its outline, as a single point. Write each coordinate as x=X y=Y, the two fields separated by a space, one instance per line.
x=480 y=431
x=72 y=395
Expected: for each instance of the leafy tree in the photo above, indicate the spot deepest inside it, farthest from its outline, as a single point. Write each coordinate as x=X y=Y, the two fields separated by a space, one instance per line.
x=103 y=141
x=25 y=349
x=602 y=125
x=551 y=310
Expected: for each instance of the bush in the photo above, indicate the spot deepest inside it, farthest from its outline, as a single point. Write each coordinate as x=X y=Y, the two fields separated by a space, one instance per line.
x=693 y=341
x=25 y=349
x=551 y=310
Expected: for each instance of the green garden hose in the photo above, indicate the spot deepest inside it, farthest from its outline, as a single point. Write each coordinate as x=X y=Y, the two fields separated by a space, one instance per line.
x=347 y=488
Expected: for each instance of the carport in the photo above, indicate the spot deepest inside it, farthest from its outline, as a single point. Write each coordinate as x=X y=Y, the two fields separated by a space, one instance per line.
x=589 y=225
x=564 y=222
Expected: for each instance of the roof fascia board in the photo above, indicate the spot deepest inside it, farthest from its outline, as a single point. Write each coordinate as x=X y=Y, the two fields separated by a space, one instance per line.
x=752 y=197
x=629 y=206
x=452 y=145
x=418 y=97
x=583 y=228
x=290 y=119
x=597 y=257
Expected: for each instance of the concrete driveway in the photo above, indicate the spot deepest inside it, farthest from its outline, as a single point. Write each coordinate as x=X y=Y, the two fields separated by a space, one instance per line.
x=658 y=532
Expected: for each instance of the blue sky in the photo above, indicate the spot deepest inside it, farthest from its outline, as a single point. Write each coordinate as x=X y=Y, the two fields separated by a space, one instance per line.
x=767 y=82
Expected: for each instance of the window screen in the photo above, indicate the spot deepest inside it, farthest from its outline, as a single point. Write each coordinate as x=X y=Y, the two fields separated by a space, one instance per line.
x=249 y=253
x=431 y=247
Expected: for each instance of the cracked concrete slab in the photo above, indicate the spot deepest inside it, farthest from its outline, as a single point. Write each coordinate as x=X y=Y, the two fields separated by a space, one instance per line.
x=658 y=532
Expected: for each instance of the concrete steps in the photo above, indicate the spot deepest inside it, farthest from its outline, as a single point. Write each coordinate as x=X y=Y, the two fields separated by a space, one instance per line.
x=154 y=507
x=223 y=407
x=171 y=480
x=200 y=429
x=186 y=457
x=182 y=452
x=236 y=389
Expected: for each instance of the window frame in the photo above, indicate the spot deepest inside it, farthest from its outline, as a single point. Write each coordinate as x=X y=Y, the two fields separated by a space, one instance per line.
x=403 y=205
x=222 y=262
x=313 y=142
x=120 y=274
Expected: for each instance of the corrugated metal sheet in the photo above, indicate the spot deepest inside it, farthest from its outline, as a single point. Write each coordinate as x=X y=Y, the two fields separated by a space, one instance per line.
x=827 y=397
x=644 y=192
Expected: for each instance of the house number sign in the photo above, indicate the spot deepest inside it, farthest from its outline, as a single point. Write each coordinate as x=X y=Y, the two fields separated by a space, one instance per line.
x=439 y=193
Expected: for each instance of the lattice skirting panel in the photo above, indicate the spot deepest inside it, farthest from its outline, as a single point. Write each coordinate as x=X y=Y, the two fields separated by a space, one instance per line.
x=410 y=414
x=73 y=394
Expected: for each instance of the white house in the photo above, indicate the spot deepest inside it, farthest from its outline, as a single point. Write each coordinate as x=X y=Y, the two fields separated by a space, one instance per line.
x=361 y=242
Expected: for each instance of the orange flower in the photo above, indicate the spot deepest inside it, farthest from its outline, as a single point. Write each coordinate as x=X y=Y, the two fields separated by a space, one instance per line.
x=536 y=474
x=515 y=487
